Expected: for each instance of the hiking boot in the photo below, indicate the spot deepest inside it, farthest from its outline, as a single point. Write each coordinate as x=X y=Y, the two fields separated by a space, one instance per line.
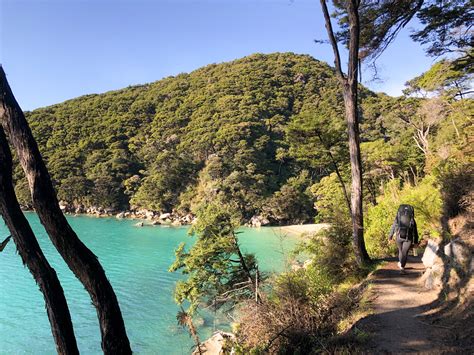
x=402 y=271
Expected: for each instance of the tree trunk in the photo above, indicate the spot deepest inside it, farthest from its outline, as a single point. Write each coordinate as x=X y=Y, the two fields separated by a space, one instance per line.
x=33 y=257
x=352 y=118
x=357 y=217
x=83 y=263
x=350 y=88
x=244 y=266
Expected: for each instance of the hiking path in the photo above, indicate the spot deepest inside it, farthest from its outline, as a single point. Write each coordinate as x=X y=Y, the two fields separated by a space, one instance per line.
x=399 y=303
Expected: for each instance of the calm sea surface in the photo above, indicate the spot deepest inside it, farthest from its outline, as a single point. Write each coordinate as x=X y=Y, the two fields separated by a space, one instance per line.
x=136 y=261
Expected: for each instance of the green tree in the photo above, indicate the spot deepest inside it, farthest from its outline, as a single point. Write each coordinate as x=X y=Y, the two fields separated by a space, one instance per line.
x=218 y=273
x=445 y=78
x=349 y=85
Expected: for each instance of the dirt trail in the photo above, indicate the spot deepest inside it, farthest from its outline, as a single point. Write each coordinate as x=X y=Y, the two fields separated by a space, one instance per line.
x=399 y=302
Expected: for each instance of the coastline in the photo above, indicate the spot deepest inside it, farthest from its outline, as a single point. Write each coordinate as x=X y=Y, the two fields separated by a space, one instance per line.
x=144 y=220
x=302 y=230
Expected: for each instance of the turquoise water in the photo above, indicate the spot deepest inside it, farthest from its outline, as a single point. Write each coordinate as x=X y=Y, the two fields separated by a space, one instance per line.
x=136 y=261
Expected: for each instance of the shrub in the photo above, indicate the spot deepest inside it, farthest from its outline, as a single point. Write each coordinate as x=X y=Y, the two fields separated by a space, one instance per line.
x=293 y=203
x=287 y=322
x=426 y=199
x=331 y=205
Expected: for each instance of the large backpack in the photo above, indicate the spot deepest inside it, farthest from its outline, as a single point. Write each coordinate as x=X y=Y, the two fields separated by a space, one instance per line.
x=406 y=221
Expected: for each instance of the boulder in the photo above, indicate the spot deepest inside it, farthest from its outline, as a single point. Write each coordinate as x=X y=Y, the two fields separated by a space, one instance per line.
x=258 y=221
x=458 y=252
x=149 y=214
x=188 y=218
x=121 y=215
x=139 y=224
x=165 y=215
x=63 y=206
x=452 y=256
x=430 y=254
x=219 y=343
x=432 y=278
x=109 y=211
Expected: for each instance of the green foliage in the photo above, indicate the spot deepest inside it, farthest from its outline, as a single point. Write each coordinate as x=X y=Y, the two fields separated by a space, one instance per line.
x=293 y=202
x=243 y=131
x=230 y=117
x=444 y=26
x=445 y=78
x=329 y=252
x=425 y=197
x=331 y=204
x=215 y=272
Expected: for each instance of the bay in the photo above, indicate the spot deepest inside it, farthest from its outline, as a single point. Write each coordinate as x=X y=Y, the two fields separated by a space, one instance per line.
x=136 y=261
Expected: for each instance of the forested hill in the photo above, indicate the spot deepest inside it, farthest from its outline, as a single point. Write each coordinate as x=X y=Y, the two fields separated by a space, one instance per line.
x=248 y=131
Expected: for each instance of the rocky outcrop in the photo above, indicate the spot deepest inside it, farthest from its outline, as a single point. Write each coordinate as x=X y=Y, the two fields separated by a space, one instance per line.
x=448 y=264
x=219 y=343
x=150 y=217
x=258 y=221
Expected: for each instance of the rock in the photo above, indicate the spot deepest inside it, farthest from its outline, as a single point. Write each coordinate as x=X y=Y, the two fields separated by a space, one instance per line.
x=429 y=256
x=219 y=343
x=149 y=214
x=165 y=222
x=63 y=206
x=109 y=210
x=139 y=224
x=155 y=223
x=432 y=278
x=176 y=223
x=258 y=221
x=165 y=215
x=121 y=215
x=458 y=252
x=188 y=218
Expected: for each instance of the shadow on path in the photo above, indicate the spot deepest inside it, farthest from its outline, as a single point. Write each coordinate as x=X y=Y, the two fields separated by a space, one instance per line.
x=399 y=303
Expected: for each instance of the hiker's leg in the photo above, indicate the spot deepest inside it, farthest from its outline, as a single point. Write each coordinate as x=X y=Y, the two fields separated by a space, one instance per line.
x=400 y=250
x=405 y=247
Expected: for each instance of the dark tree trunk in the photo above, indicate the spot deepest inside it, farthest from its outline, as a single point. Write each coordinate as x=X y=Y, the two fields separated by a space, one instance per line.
x=244 y=266
x=349 y=84
x=83 y=263
x=33 y=257
x=357 y=217
x=352 y=118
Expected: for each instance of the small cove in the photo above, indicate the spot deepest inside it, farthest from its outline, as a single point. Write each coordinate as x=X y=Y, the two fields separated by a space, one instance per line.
x=136 y=261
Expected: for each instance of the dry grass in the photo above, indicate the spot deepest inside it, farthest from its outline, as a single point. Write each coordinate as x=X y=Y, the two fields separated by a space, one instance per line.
x=296 y=325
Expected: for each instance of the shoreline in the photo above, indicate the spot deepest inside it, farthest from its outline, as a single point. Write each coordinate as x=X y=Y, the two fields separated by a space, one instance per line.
x=293 y=230
x=302 y=230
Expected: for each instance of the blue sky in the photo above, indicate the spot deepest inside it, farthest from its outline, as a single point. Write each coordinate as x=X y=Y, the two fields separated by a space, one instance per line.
x=56 y=50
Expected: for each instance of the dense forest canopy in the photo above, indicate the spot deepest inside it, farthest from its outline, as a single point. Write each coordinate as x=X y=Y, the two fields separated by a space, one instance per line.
x=258 y=132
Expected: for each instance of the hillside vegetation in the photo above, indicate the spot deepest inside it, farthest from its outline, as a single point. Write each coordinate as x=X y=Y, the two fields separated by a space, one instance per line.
x=222 y=129
x=258 y=132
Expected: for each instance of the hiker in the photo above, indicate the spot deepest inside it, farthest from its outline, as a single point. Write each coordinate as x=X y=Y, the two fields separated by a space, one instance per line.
x=404 y=228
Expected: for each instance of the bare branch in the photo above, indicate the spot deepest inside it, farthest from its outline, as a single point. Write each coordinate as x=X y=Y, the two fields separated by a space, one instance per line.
x=332 y=40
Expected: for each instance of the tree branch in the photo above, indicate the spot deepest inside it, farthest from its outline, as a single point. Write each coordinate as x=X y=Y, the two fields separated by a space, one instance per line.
x=332 y=40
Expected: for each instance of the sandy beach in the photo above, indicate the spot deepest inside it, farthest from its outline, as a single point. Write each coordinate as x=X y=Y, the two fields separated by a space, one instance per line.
x=302 y=229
